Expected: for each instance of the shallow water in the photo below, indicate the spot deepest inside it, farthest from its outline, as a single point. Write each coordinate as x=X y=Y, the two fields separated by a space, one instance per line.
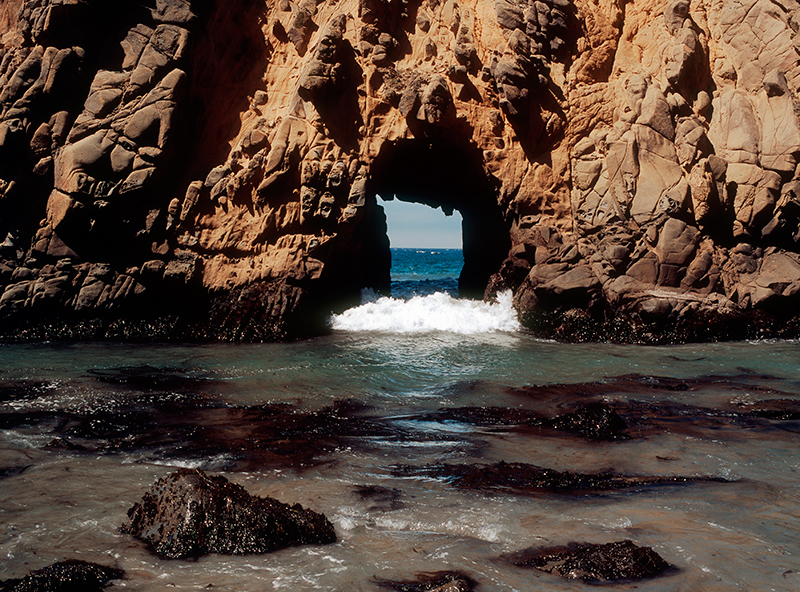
x=166 y=406
x=355 y=425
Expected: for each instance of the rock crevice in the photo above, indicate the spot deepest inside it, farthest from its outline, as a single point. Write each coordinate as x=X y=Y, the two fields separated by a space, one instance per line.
x=633 y=173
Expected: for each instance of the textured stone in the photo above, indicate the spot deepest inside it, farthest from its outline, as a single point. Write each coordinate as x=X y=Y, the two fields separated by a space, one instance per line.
x=445 y=581
x=676 y=243
x=189 y=513
x=594 y=563
x=595 y=152
x=72 y=574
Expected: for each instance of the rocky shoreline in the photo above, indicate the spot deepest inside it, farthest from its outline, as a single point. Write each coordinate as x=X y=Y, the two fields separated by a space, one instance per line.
x=232 y=320
x=188 y=514
x=210 y=170
x=191 y=513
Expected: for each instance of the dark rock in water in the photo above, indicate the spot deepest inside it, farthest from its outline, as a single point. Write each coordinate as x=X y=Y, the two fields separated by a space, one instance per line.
x=484 y=416
x=776 y=410
x=754 y=403
x=64 y=444
x=525 y=479
x=440 y=581
x=595 y=420
x=16 y=390
x=595 y=564
x=189 y=513
x=186 y=423
x=384 y=499
x=65 y=576
x=148 y=378
x=12 y=471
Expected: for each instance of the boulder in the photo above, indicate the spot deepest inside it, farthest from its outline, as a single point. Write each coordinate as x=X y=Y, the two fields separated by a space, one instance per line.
x=594 y=563
x=677 y=243
x=778 y=272
x=65 y=576
x=177 y=12
x=189 y=513
x=436 y=100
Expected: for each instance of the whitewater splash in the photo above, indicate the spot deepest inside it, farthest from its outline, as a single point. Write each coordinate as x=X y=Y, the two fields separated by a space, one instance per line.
x=433 y=312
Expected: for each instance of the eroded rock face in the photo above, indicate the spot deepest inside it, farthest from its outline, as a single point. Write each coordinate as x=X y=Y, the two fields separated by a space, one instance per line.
x=630 y=176
x=189 y=513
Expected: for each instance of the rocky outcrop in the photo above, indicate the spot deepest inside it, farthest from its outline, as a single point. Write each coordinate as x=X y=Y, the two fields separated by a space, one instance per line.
x=593 y=563
x=594 y=420
x=65 y=576
x=189 y=513
x=527 y=479
x=210 y=170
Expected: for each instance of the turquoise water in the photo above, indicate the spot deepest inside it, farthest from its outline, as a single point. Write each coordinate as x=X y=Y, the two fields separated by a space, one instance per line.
x=319 y=422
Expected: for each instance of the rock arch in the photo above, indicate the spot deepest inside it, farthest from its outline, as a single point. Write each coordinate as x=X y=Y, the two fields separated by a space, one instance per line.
x=631 y=185
x=437 y=173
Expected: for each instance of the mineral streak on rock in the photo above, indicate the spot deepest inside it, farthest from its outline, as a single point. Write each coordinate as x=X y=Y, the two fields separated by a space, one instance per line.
x=189 y=513
x=527 y=479
x=65 y=576
x=593 y=563
x=210 y=169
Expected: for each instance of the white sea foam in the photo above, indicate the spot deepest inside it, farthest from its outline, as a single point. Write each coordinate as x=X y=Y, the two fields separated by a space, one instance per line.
x=434 y=312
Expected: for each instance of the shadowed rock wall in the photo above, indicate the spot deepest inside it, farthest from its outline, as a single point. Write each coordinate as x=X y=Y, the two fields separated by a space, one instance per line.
x=177 y=168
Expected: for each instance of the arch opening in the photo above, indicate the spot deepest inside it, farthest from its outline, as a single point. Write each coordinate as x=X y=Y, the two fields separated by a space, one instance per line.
x=426 y=249
x=440 y=174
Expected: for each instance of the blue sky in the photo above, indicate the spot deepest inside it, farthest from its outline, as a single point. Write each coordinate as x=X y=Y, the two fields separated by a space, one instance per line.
x=418 y=225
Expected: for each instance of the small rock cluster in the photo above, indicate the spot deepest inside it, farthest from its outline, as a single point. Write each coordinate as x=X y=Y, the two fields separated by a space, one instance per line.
x=189 y=513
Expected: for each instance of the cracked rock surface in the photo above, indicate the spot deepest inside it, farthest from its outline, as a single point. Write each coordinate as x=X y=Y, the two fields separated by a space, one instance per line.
x=173 y=168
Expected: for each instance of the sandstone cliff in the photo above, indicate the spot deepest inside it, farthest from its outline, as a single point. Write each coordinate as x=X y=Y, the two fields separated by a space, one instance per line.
x=210 y=169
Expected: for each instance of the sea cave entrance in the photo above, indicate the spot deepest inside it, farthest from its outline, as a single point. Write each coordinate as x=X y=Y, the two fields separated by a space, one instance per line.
x=426 y=249
x=440 y=174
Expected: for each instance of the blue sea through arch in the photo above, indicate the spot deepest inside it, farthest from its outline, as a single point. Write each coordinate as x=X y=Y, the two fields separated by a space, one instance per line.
x=419 y=272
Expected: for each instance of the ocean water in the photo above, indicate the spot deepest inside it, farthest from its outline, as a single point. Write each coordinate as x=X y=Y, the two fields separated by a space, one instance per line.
x=418 y=272
x=349 y=424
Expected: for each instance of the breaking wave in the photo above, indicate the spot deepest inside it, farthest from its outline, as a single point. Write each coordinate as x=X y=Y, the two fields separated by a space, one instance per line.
x=433 y=312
